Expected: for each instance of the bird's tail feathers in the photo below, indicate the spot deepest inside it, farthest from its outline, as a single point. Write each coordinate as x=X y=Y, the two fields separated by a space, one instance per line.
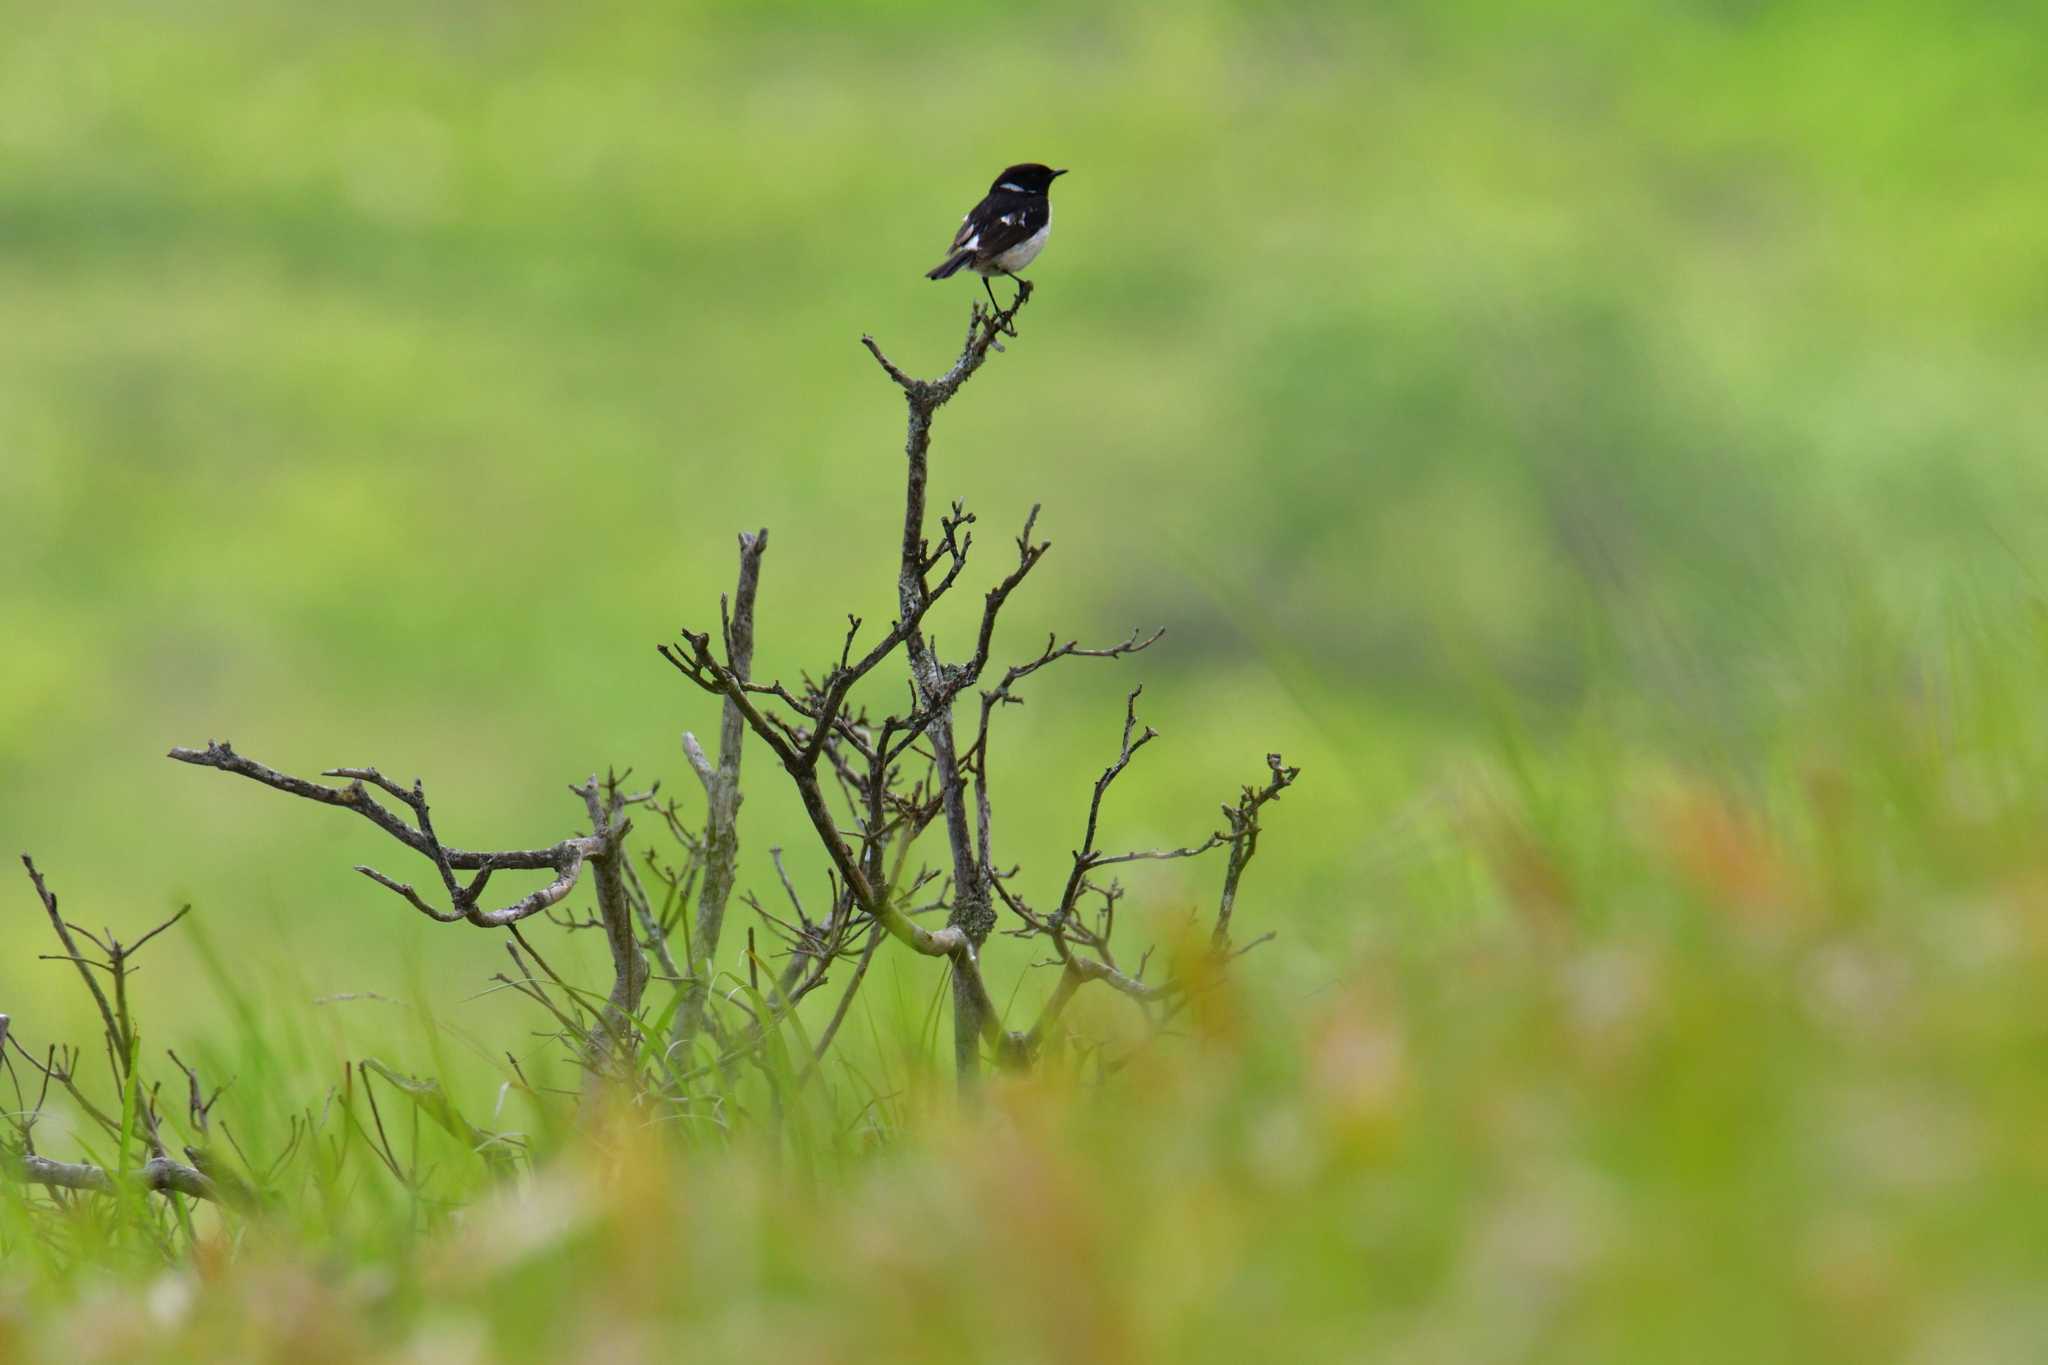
x=946 y=268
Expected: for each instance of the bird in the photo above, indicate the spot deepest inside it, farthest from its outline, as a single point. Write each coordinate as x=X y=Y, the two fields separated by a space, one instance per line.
x=1006 y=230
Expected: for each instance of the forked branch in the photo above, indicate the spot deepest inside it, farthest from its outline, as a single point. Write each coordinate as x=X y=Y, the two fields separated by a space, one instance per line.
x=565 y=858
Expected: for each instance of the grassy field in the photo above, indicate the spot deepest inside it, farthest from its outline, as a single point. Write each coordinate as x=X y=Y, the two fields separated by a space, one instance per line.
x=1603 y=445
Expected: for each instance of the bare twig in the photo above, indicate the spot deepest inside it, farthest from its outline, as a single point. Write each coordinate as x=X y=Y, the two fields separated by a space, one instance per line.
x=159 y=1174
x=99 y=997
x=607 y=807
x=722 y=790
x=566 y=858
x=1243 y=837
x=972 y=916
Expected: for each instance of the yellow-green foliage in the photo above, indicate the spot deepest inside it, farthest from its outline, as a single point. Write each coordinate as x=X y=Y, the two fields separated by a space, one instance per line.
x=1603 y=444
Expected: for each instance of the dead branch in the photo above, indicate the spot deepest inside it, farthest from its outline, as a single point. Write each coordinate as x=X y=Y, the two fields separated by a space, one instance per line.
x=63 y=930
x=157 y=1171
x=606 y=806
x=159 y=1174
x=972 y=916
x=817 y=726
x=1243 y=837
x=566 y=859
x=722 y=791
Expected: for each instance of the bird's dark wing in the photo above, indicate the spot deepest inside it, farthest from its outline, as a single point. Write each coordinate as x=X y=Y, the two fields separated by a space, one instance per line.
x=1000 y=222
x=971 y=226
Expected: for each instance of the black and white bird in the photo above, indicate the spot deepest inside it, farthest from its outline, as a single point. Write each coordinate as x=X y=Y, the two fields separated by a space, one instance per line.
x=1006 y=231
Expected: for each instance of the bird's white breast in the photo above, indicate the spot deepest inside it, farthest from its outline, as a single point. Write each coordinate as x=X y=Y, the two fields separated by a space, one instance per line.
x=1022 y=254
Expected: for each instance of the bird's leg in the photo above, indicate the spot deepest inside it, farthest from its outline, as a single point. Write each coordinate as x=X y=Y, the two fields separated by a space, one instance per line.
x=1006 y=317
x=998 y=320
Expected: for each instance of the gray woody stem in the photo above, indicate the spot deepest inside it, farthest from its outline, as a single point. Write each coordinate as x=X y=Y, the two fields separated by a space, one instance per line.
x=603 y=850
x=158 y=1173
x=972 y=914
x=565 y=859
x=615 y=910
x=935 y=685
x=116 y=1034
x=722 y=792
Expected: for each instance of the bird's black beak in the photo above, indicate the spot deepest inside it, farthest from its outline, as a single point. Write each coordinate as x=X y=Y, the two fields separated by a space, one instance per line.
x=1057 y=174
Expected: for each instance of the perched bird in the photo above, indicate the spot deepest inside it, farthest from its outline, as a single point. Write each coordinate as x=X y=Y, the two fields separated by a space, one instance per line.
x=1006 y=231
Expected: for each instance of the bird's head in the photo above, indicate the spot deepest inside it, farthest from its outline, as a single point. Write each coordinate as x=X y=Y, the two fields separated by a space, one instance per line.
x=1028 y=178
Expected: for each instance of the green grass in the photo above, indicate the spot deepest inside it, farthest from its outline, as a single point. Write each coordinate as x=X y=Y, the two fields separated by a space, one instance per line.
x=1601 y=444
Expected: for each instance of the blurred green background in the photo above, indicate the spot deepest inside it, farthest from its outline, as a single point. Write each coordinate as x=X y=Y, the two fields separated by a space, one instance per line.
x=379 y=385
x=1502 y=406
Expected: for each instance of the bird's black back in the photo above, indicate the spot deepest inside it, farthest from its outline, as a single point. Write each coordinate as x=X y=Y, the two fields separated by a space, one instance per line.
x=1002 y=220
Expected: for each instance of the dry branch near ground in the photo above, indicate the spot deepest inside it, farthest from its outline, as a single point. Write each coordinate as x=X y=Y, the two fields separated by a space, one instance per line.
x=133 y=1121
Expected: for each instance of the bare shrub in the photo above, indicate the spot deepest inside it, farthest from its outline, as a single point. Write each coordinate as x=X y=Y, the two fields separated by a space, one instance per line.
x=871 y=783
